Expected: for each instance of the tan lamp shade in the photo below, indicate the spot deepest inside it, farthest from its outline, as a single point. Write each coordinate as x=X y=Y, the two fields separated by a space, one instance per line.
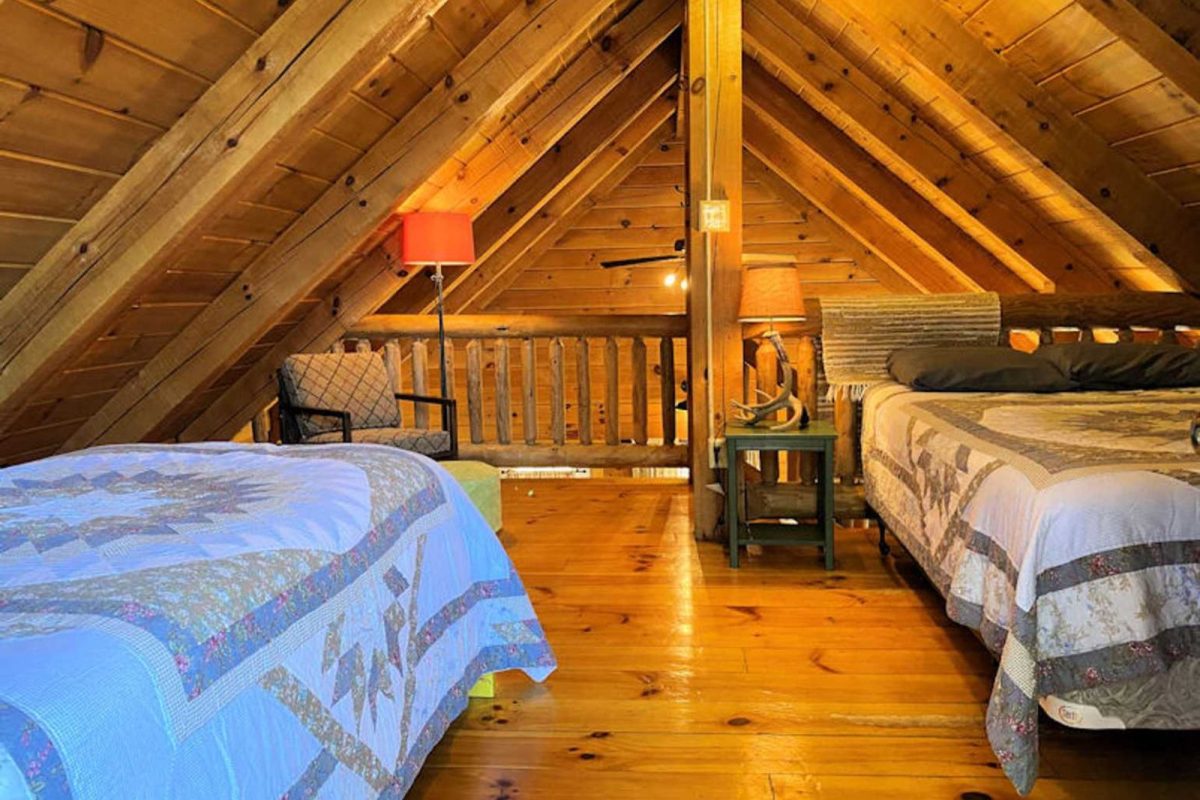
x=771 y=293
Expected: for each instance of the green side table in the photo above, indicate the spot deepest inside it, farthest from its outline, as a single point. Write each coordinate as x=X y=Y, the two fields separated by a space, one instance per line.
x=818 y=437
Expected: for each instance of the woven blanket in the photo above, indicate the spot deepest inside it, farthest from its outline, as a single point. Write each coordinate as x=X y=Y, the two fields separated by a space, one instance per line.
x=860 y=333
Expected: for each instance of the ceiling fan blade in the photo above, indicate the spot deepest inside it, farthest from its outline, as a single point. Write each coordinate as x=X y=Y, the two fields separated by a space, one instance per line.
x=633 y=262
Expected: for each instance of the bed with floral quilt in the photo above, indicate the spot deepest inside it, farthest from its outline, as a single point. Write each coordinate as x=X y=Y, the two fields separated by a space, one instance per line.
x=1065 y=530
x=251 y=621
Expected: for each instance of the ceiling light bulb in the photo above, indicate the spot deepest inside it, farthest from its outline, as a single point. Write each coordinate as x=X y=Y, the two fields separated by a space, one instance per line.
x=684 y=284
x=670 y=279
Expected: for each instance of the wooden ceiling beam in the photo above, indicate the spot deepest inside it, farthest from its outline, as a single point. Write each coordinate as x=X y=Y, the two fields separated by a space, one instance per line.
x=601 y=173
x=1149 y=41
x=872 y=180
x=477 y=91
x=1010 y=107
x=374 y=280
x=316 y=51
x=881 y=123
x=952 y=260
x=887 y=275
x=787 y=157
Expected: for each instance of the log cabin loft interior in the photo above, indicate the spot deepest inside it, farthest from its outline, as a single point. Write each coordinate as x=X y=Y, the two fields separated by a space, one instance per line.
x=523 y=399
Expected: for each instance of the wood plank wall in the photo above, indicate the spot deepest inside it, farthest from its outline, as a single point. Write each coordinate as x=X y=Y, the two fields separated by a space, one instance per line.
x=644 y=216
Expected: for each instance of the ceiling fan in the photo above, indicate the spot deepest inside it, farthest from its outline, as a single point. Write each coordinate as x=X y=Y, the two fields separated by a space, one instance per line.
x=676 y=258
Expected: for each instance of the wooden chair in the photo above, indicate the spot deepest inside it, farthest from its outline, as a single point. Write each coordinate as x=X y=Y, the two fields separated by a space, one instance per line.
x=347 y=397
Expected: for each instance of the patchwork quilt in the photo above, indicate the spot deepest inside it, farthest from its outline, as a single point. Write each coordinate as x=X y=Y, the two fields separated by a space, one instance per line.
x=212 y=621
x=1064 y=528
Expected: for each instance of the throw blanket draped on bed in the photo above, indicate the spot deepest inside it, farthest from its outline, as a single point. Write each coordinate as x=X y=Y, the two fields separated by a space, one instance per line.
x=243 y=621
x=859 y=333
x=1064 y=528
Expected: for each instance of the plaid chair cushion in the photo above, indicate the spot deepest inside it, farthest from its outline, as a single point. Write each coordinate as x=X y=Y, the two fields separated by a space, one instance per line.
x=354 y=382
x=429 y=443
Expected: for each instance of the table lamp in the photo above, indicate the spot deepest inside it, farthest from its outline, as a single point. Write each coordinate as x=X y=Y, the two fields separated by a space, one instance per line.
x=771 y=292
x=438 y=239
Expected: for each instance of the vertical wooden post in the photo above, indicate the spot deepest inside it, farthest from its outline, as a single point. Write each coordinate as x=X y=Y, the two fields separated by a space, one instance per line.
x=641 y=397
x=845 y=420
x=583 y=377
x=805 y=464
x=529 y=390
x=503 y=403
x=475 y=390
x=666 y=364
x=766 y=374
x=362 y=346
x=612 y=392
x=558 y=392
x=713 y=58
x=420 y=375
x=260 y=426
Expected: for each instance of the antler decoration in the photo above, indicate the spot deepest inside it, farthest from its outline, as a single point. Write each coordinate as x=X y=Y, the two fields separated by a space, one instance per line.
x=798 y=414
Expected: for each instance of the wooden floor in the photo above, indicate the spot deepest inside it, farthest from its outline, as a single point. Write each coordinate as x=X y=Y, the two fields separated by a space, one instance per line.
x=681 y=678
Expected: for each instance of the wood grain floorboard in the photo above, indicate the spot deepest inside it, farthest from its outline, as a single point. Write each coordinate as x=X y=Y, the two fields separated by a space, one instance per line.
x=681 y=678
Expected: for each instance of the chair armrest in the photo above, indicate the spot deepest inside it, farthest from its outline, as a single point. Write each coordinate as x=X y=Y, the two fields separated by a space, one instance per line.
x=344 y=416
x=424 y=398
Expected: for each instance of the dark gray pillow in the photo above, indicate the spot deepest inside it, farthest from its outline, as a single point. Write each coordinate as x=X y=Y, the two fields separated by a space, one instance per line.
x=975 y=369
x=1125 y=365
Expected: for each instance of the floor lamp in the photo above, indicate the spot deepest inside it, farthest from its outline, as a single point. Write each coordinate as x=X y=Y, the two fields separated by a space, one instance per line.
x=438 y=239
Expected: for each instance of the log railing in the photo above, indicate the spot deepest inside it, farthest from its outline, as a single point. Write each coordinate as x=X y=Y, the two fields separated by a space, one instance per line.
x=556 y=363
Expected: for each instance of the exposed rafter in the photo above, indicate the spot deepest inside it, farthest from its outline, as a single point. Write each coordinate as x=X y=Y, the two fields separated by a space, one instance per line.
x=1011 y=107
x=374 y=280
x=315 y=51
x=479 y=89
x=1149 y=41
x=892 y=279
x=880 y=122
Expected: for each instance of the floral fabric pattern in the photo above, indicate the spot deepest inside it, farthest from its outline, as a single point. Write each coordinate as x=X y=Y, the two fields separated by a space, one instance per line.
x=1062 y=528
x=332 y=598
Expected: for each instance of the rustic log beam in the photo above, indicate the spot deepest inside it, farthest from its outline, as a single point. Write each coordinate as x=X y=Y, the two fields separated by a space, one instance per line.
x=632 y=132
x=575 y=455
x=612 y=393
x=487 y=81
x=891 y=198
x=1010 y=107
x=1149 y=41
x=503 y=393
x=546 y=122
x=666 y=364
x=558 y=392
x=529 y=407
x=475 y=390
x=314 y=52
x=520 y=326
x=880 y=122
x=420 y=381
x=713 y=58
x=583 y=381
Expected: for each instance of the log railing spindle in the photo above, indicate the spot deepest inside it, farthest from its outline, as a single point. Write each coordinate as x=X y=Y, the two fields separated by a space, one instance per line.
x=583 y=377
x=666 y=363
x=641 y=400
x=558 y=392
x=612 y=392
x=503 y=403
x=529 y=390
x=420 y=376
x=475 y=390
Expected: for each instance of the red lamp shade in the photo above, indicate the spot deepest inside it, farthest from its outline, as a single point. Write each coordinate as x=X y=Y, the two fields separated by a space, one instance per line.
x=437 y=238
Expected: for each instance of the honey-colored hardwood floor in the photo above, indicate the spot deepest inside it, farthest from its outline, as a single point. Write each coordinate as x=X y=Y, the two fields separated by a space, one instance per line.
x=681 y=678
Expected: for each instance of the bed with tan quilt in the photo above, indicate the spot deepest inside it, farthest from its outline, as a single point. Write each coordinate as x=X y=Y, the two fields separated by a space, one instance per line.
x=1065 y=530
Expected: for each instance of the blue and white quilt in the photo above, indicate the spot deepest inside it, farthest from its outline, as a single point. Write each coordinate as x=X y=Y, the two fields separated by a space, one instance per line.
x=213 y=621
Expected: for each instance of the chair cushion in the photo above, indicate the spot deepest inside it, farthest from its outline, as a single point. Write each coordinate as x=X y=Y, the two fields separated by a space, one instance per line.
x=354 y=382
x=427 y=443
x=482 y=484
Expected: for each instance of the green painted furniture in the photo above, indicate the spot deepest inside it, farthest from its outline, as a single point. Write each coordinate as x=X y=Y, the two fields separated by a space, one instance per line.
x=818 y=437
x=482 y=484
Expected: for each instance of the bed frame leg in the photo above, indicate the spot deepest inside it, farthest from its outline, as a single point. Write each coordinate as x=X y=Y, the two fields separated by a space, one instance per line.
x=885 y=549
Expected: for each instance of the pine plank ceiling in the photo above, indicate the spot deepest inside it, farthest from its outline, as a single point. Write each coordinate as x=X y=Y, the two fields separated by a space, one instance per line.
x=160 y=252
